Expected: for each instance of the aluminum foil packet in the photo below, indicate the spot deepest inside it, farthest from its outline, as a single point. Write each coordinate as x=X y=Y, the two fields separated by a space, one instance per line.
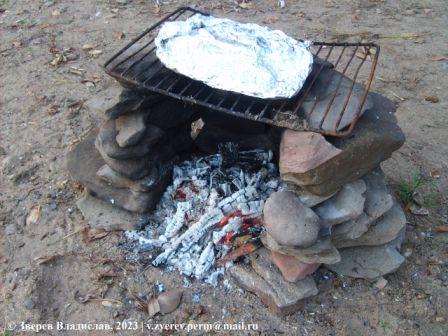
x=243 y=58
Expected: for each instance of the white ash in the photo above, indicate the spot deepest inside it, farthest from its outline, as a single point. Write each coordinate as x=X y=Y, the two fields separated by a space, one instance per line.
x=205 y=204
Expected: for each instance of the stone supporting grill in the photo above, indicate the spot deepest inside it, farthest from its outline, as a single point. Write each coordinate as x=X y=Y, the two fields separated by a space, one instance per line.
x=211 y=195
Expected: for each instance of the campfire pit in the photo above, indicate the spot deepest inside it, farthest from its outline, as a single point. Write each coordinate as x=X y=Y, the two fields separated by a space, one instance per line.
x=327 y=202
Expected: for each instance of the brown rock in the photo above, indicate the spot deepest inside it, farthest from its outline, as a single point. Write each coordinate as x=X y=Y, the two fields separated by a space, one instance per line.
x=288 y=221
x=373 y=140
x=292 y=269
x=301 y=152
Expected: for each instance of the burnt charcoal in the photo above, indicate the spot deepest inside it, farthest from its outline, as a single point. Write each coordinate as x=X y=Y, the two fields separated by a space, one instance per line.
x=211 y=136
x=171 y=113
x=107 y=142
x=232 y=123
x=229 y=152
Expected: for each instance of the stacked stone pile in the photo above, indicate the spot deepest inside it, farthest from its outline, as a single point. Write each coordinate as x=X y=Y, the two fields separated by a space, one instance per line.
x=336 y=211
x=127 y=163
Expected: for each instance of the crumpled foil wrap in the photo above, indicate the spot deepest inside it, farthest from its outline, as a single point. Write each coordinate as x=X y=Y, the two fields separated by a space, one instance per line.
x=244 y=58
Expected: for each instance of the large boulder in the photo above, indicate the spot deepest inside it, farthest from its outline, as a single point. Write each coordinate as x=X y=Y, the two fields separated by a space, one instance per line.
x=288 y=221
x=375 y=137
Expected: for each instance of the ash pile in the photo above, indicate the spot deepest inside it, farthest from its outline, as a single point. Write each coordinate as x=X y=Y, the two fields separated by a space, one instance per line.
x=210 y=213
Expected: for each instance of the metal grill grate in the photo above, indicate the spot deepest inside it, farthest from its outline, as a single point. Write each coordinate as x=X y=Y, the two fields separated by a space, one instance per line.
x=136 y=66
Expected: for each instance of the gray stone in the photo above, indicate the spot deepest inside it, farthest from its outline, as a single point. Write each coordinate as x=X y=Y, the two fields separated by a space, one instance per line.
x=307 y=198
x=378 y=197
x=103 y=215
x=384 y=230
x=102 y=101
x=347 y=204
x=83 y=162
x=322 y=251
x=375 y=137
x=130 y=129
x=131 y=101
x=288 y=221
x=378 y=201
x=134 y=169
x=328 y=82
x=369 y=262
x=108 y=146
x=282 y=297
x=111 y=177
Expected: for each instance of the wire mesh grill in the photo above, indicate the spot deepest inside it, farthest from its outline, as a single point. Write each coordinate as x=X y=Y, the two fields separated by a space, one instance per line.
x=319 y=107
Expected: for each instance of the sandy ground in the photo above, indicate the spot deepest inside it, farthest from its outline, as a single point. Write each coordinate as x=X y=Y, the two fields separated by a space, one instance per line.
x=42 y=117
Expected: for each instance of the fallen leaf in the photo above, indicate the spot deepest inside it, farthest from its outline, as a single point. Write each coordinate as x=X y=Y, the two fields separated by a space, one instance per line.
x=440 y=319
x=246 y=5
x=109 y=302
x=56 y=13
x=439 y=58
x=95 y=52
x=381 y=283
x=34 y=215
x=46 y=259
x=270 y=20
x=441 y=228
x=432 y=99
x=156 y=9
x=58 y=59
x=88 y=47
x=153 y=307
x=418 y=210
x=119 y=35
x=76 y=71
x=168 y=301
x=97 y=234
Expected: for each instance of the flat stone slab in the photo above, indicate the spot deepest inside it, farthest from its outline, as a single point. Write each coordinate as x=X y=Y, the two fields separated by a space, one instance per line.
x=375 y=137
x=130 y=129
x=347 y=204
x=267 y=283
x=369 y=262
x=323 y=251
x=378 y=201
x=384 y=230
x=323 y=91
x=103 y=215
x=102 y=101
x=307 y=198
